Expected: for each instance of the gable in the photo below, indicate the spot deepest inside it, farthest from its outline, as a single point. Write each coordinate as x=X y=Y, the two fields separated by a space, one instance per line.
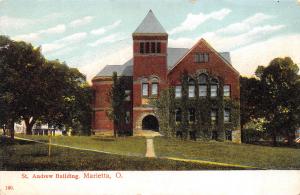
x=203 y=46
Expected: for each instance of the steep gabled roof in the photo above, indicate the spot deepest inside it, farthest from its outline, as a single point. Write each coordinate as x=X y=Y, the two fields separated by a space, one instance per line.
x=150 y=25
x=174 y=55
x=224 y=56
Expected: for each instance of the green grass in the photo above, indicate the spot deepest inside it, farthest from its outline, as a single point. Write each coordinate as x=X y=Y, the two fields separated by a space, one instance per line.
x=134 y=146
x=28 y=156
x=226 y=152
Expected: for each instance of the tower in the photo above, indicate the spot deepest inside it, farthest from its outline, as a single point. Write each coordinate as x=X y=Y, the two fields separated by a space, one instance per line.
x=150 y=42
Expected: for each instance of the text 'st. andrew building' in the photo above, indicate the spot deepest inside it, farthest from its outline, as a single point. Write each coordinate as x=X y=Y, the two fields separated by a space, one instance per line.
x=213 y=86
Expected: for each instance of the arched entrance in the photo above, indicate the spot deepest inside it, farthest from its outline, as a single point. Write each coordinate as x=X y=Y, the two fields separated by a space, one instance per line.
x=150 y=122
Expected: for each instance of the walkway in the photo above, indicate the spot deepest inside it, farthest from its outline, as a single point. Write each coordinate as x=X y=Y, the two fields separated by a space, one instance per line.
x=150 y=148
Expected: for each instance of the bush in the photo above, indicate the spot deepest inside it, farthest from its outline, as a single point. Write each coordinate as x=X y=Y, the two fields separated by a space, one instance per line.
x=251 y=135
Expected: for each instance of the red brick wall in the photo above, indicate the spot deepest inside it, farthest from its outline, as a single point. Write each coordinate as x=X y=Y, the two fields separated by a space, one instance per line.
x=215 y=66
x=101 y=87
x=147 y=65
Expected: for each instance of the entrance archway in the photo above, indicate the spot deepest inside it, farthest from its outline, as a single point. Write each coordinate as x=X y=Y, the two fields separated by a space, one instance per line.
x=150 y=122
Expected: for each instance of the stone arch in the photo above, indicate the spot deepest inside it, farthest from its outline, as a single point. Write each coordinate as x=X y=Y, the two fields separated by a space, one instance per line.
x=139 y=122
x=150 y=122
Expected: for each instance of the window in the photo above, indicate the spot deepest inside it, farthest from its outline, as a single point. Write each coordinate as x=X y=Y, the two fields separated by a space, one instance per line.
x=226 y=90
x=202 y=90
x=201 y=57
x=202 y=85
x=154 y=90
x=206 y=57
x=202 y=79
x=213 y=116
x=158 y=47
x=192 y=115
x=142 y=47
x=147 y=47
x=191 y=88
x=228 y=135
x=145 y=89
x=226 y=115
x=127 y=117
x=178 y=91
x=152 y=47
x=191 y=91
x=214 y=90
x=178 y=115
x=127 y=93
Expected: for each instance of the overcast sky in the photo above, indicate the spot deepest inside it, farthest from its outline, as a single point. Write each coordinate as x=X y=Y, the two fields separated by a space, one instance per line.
x=88 y=34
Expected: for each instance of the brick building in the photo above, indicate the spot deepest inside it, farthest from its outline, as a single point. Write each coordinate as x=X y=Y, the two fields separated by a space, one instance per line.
x=155 y=67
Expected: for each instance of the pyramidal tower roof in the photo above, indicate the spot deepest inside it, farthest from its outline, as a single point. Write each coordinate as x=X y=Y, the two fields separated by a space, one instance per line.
x=150 y=25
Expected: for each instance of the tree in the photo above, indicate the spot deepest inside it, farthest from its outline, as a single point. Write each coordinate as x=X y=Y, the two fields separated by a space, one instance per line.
x=70 y=104
x=251 y=94
x=20 y=65
x=116 y=98
x=35 y=89
x=184 y=104
x=280 y=102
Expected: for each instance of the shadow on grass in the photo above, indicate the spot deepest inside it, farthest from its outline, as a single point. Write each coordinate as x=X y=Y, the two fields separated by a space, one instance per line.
x=8 y=142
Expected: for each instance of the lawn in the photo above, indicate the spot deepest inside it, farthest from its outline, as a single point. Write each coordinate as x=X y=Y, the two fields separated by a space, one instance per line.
x=28 y=156
x=225 y=152
x=133 y=146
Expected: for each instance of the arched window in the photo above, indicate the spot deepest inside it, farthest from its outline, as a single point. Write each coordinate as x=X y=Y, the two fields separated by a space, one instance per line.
x=145 y=87
x=214 y=88
x=202 y=85
x=154 y=86
x=191 y=88
x=178 y=115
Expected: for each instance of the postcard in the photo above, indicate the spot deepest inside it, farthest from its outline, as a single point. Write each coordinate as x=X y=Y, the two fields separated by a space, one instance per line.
x=149 y=97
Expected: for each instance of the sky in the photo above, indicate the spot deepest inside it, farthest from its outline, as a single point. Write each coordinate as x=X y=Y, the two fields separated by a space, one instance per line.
x=89 y=34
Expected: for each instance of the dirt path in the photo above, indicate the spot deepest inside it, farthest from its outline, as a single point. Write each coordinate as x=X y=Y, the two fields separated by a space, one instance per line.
x=150 y=148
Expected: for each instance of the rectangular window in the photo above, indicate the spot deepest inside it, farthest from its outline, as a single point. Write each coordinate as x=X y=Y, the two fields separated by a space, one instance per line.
x=206 y=57
x=226 y=91
x=142 y=47
x=127 y=93
x=145 y=89
x=127 y=117
x=177 y=115
x=213 y=116
x=213 y=91
x=147 y=47
x=152 y=47
x=191 y=91
x=201 y=57
x=191 y=115
x=226 y=115
x=178 y=91
x=158 y=47
x=202 y=90
x=154 y=90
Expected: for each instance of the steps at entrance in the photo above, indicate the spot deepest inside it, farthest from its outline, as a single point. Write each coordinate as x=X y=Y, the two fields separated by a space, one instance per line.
x=146 y=133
